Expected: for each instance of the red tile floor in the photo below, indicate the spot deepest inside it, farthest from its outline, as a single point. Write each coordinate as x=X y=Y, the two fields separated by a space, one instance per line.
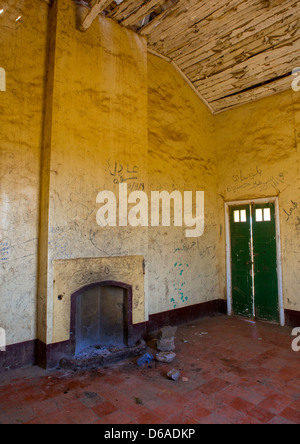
x=234 y=371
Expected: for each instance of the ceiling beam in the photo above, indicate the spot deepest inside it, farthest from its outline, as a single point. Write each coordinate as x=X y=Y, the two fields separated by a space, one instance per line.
x=142 y=12
x=97 y=6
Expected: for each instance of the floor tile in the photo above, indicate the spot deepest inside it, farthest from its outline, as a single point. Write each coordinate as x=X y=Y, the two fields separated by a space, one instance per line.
x=237 y=373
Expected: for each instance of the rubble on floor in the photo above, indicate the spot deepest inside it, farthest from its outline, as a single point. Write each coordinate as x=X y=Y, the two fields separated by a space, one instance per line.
x=165 y=356
x=95 y=357
x=174 y=374
x=147 y=358
x=231 y=377
x=166 y=339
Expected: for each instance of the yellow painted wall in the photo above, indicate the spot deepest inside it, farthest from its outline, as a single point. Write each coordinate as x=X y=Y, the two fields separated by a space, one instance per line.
x=99 y=127
x=258 y=156
x=115 y=114
x=23 y=56
x=116 y=110
x=181 y=156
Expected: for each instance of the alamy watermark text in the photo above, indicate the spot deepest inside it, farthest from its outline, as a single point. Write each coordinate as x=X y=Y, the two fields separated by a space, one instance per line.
x=134 y=209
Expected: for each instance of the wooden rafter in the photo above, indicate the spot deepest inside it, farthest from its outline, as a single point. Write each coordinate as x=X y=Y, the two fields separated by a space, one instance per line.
x=230 y=52
x=146 y=30
x=125 y=9
x=142 y=12
x=97 y=6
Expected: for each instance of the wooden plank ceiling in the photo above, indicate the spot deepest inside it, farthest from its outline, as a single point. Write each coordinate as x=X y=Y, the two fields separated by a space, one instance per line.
x=231 y=51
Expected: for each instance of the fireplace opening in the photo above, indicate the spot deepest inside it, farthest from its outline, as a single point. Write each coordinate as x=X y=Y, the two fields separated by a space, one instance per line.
x=101 y=327
x=101 y=318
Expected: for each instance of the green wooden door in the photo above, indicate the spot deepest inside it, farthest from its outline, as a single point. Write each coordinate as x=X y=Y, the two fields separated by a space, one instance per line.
x=241 y=263
x=265 y=262
x=254 y=261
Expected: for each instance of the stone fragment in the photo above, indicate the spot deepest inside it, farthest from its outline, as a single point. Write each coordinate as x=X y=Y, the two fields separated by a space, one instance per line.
x=147 y=358
x=166 y=338
x=166 y=345
x=167 y=333
x=174 y=374
x=165 y=356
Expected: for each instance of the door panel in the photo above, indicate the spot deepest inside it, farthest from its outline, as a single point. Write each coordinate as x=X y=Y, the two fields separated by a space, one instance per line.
x=241 y=265
x=254 y=261
x=265 y=262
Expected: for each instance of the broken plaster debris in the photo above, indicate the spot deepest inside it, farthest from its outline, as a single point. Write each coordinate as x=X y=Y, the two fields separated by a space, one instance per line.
x=166 y=339
x=203 y=333
x=147 y=358
x=174 y=374
x=165 y=357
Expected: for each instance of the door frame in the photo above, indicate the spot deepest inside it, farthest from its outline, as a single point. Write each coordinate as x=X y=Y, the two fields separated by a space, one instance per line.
x=278 y=250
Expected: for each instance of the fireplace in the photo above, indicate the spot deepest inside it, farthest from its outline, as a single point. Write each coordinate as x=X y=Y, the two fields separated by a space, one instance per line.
x=101 y=316
x=101 y=329
x=94 y=301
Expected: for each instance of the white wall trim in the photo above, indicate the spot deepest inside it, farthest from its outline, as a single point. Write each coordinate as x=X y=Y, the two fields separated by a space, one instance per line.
x=278 y=248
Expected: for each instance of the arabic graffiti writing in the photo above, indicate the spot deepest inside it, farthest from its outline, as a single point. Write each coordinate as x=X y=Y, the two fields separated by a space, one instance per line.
x=246 y=182
x=125 y=173
x=241 y=178
x=291 y=210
